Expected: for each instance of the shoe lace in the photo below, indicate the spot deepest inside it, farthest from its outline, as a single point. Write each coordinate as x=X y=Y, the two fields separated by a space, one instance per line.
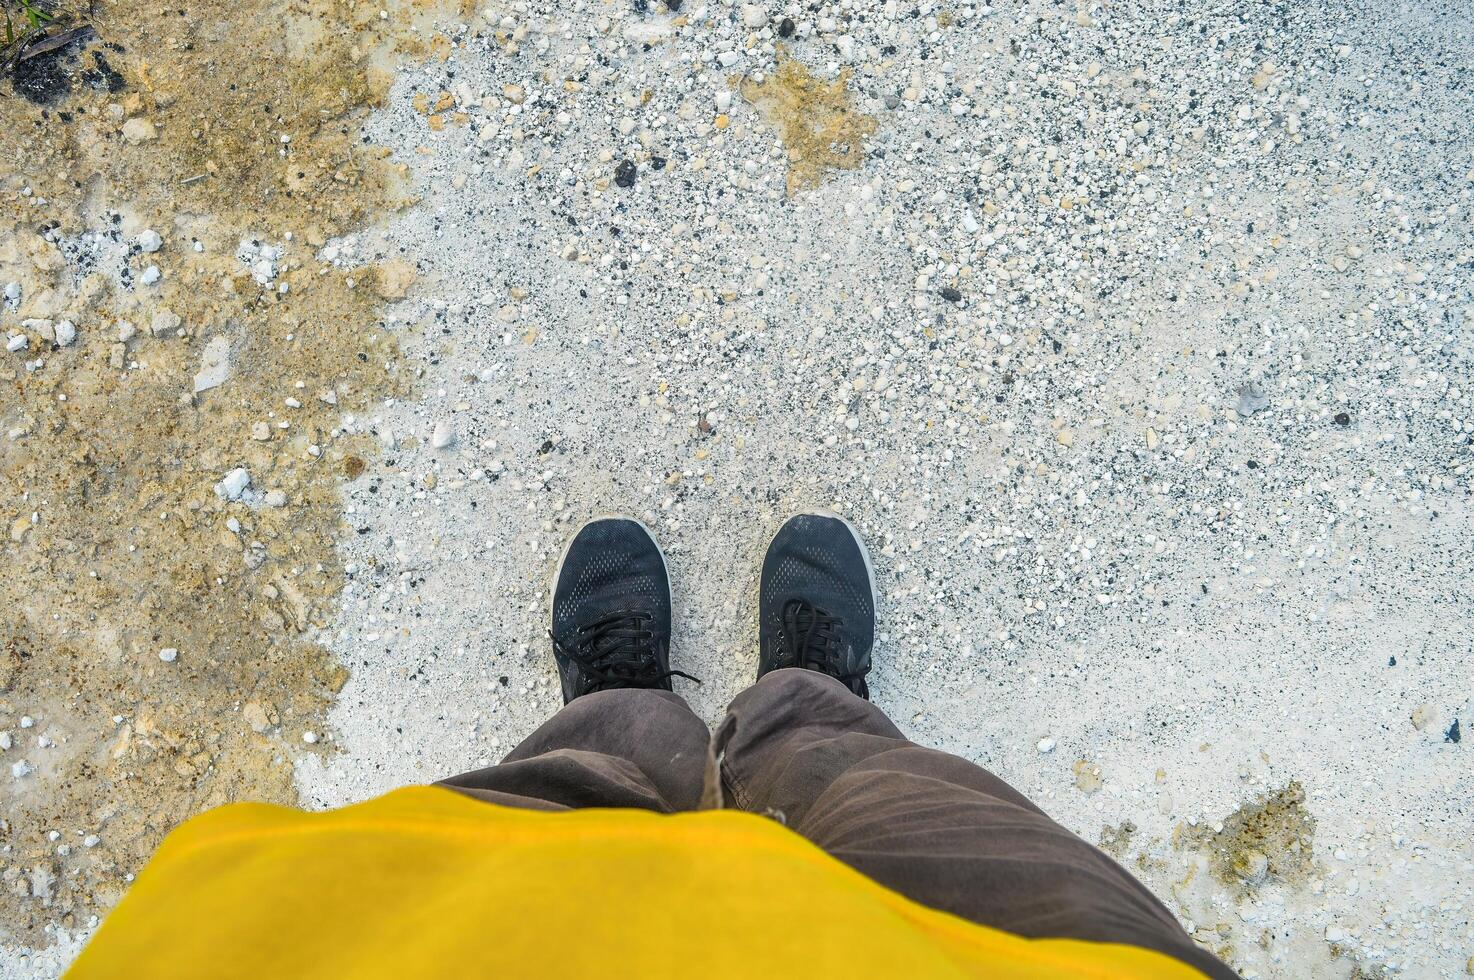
x=813 y=641
x=617 y=651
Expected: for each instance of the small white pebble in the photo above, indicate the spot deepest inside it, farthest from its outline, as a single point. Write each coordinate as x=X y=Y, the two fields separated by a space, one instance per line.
x=168 y=655
x=233 y=484
x=1046 y=745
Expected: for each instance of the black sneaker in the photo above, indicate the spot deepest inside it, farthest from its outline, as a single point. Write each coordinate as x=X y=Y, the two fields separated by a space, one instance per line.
x=817 y=601
x=611 y=610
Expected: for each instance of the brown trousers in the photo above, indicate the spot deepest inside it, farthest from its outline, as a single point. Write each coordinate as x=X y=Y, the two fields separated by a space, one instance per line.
x=799 y=747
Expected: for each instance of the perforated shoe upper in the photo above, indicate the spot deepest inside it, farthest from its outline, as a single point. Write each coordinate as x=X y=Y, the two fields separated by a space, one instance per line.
x=817 y=601
x=611 y=615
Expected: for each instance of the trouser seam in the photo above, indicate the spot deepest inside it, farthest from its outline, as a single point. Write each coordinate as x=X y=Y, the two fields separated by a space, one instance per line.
x=740 y=795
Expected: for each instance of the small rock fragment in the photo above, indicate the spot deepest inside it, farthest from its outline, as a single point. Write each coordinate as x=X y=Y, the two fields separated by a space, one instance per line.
x=169 y=654
x=66 y=333
x=256 y=716
x=233 y=484
x=150 y=241
x=443 y=435
x=214 y=364
x=164 y=322
x=139 y=130
x=1251 y=399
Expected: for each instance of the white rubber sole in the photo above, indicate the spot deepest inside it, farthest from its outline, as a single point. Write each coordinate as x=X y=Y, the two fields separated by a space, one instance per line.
x=568 y=546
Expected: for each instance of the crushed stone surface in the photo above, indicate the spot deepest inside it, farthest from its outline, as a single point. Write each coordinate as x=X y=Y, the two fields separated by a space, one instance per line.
x=1135 y=339
x=1136 y=344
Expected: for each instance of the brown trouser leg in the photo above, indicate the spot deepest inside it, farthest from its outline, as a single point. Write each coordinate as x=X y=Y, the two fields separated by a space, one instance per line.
x=644 y=749
x=801 y=748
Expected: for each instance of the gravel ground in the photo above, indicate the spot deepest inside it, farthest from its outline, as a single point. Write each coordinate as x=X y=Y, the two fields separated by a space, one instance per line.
x=1134 y=338
x=1136 y=345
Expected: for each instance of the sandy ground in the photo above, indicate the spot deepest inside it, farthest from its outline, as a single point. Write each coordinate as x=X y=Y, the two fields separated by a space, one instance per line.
x=1135 y=339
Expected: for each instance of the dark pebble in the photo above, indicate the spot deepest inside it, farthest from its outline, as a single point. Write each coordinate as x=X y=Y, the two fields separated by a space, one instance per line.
x=786 y=27
x=1453 y=735
x=1343 y=419
x=951 y=295
x=624 y=174
x=673 y=5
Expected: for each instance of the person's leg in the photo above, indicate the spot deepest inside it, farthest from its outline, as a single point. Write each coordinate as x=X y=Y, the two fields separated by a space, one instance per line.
x=938 y=829
x=619 y=748
x=622 y=739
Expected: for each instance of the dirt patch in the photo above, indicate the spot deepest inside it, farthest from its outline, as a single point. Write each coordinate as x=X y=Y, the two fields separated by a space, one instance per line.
x=1116 y=841
x=1271 y=838
x=820 y=126
x=171 y=320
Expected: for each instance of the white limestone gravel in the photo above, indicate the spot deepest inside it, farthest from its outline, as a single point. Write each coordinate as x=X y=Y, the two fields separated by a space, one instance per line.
x=1138 y=347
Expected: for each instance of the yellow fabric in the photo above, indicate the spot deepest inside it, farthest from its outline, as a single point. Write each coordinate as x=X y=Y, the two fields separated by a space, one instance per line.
x=426 y=882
